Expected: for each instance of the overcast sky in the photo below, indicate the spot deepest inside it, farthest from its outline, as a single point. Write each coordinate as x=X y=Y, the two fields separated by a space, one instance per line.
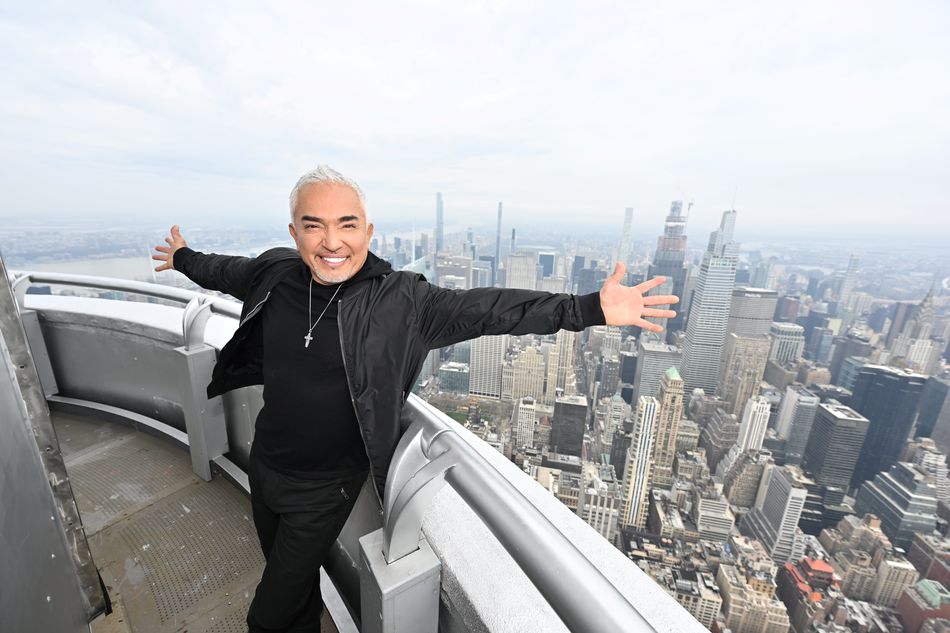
x=798 y=113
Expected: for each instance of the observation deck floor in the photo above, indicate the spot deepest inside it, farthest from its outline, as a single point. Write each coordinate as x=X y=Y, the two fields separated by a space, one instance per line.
x=177 y=554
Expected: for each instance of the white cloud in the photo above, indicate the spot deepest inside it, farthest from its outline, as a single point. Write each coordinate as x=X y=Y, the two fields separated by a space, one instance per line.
x=809 y=113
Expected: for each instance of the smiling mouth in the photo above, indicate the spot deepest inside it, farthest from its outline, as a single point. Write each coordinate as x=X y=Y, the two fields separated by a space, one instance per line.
x=333 y=261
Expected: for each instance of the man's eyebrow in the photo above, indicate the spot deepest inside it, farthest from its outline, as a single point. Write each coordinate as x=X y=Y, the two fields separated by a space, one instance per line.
x=340 y=220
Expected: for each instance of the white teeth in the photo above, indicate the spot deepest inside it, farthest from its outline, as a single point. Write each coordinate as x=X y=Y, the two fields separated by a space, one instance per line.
x=334 y=260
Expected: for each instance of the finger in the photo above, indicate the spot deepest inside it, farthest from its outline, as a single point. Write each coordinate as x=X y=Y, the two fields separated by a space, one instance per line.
x=159 y=269
x=650 y=284
x=175 y=232
x=619 y=270
x=658 y=314
x=163 y=249
x=647 y=325
x=657 y=300
x=164 y=258
x=169 y=241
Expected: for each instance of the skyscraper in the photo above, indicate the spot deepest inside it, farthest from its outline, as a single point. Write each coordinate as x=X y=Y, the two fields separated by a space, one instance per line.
x=626 y=238
x=669 y=261
x=850 y=277
x=486 y=358
x=755 y=420
x=910 y=322
x=751 y=311
x=852 y=344
x=718 y=437
x=522 y=422
x=653 y=359
x=905 y=498
x=569 y=425
x=933 y=419
x=522 y=271
x=741 y=482
x=546 y=261
x=743 y=366
x=832 y=451
x=774 y=519
x=888 y=397
x=439 y=224
x=528 y=374
x=795 y=420
x=667 y=423
x=560 y=371
x=638 y=469
x=709 y=312
x=788 y=342
x=495 y=264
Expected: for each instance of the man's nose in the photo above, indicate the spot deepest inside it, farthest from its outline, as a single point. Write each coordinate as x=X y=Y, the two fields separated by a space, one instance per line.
x=331 y=240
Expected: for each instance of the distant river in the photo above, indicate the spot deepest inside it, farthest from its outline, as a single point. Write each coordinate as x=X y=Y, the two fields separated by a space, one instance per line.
x=134 y=268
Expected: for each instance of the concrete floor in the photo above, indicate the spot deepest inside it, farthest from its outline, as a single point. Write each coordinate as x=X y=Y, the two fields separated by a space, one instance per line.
x=177 y=554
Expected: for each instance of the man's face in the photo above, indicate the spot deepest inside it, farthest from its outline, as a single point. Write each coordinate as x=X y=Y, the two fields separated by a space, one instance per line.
x=331 y=231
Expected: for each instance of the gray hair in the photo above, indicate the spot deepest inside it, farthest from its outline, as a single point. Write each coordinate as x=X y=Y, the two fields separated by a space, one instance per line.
x=328 y=175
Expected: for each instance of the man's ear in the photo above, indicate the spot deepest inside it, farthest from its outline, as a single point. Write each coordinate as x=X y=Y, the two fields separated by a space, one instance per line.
x=369 y=231
x=293 y=231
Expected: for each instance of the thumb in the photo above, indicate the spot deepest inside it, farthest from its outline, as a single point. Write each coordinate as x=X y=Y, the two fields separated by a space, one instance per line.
x=619 y=270
x=175 y=232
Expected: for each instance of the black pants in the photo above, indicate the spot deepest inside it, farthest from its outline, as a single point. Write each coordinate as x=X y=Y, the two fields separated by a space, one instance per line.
x=297 y=521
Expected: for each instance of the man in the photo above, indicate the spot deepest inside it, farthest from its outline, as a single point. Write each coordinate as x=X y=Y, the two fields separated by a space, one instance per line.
x=337 y=338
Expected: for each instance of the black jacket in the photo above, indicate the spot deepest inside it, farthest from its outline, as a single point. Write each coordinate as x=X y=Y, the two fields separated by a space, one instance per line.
x=387 y=326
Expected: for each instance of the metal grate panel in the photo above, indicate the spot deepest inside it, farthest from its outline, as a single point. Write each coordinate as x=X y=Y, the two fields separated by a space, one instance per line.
x=77 y=434
x=194 y=544
x=234 y=622
x=124 y=475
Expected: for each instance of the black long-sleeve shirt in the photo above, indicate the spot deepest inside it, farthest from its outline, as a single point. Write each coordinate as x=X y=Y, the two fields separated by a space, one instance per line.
x=307 y=427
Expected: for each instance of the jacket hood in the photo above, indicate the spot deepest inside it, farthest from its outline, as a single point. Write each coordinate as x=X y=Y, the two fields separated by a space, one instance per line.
x=372 y=267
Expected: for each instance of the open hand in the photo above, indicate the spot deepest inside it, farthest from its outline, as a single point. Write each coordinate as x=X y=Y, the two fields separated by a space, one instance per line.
x=166 y=254
x=626 y=305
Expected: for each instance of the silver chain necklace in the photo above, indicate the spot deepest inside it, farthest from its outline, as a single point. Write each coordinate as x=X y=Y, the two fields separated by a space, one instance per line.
x=309 y=336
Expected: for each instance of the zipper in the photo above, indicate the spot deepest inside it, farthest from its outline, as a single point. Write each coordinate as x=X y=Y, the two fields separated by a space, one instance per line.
x=349 y=387
x=254 y=310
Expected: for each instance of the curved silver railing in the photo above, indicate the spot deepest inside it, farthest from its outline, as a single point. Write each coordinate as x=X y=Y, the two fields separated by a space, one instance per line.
x=431 y=454
x=198 y=306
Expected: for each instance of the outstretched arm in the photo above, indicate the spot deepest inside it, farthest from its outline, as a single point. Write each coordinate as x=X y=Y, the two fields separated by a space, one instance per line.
x=226 y=273
x=627 y=305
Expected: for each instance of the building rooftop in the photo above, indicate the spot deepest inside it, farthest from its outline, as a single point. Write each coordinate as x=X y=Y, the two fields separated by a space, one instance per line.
x=842 y=412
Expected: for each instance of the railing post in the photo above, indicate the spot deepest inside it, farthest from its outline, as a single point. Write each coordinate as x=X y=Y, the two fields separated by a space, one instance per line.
x=399 y=582
x=204 y=418
x=399 y=597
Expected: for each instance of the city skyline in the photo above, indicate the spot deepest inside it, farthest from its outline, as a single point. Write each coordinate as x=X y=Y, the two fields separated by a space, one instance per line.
x=752 y=476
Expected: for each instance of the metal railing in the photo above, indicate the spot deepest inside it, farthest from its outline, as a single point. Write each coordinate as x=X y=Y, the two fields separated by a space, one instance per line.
x=198 y=307
x=430 y=454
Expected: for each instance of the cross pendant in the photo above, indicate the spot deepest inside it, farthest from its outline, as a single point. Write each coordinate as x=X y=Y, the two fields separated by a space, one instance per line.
x=307 y=340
